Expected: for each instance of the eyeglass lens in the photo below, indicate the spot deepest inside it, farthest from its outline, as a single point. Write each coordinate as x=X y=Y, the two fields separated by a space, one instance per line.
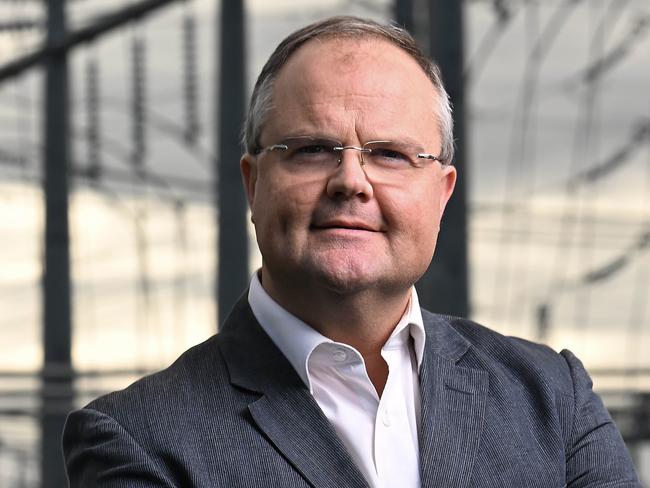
x=380 y=158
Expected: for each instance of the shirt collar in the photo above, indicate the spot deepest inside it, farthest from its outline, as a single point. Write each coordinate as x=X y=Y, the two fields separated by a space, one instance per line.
x=297 y=340
x=291 y=335
x=411 y=320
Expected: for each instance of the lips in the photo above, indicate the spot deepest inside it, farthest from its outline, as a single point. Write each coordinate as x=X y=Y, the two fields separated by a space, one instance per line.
x=345 y=224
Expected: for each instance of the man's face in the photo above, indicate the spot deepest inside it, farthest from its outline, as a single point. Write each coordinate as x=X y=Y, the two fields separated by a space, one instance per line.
x=344 y=230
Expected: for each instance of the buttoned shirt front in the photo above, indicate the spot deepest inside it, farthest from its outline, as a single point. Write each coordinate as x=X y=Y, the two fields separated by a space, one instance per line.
x=380 y=433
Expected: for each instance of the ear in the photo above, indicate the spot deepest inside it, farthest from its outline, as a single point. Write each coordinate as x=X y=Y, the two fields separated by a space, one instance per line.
x=248 y=166
x=447 y=185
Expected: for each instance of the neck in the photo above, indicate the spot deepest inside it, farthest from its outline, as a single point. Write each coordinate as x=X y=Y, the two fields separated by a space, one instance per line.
x=364 y=319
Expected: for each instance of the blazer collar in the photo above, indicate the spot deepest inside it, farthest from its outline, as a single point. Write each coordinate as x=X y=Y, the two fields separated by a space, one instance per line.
x=285 y=412
x=453 y=407
x=297 y=340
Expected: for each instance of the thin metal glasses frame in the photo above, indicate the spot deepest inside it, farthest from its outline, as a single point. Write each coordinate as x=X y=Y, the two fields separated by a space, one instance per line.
x=339 y=147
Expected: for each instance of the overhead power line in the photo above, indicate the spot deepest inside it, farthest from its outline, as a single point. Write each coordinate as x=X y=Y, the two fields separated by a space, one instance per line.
x=619 y=53
x=11 y=158
x=592 y=277
x=104 y=24
x=617 y=264
x=20 y=25
x=542 y=36
x=615 y=161
x=110 y=175
x=503 y=14
x=584 y=140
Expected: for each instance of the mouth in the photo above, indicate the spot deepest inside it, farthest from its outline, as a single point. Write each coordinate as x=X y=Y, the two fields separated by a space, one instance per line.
x=344 y=225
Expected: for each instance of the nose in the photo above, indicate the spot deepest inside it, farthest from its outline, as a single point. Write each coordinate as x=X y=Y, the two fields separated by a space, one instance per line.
x=350 y=178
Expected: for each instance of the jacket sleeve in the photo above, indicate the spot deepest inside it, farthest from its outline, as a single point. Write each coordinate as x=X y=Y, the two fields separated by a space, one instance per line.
x=596 y=455
x=99 y=452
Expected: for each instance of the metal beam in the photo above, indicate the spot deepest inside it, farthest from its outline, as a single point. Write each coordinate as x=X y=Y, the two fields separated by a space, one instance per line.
x=231 y=201
x=64 y=43
x=56 y=393
x=404 y=14
x=444 y=288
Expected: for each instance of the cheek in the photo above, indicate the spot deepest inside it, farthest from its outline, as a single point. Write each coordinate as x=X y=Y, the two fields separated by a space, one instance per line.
x=431 y=225
x=281 y=206
x=414 y=212
x=415 y=221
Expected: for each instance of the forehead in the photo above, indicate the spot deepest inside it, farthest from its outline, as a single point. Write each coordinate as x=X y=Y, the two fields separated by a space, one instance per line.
x=368 y=84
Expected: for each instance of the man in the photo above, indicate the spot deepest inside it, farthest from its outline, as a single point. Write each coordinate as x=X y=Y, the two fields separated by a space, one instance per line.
x=327 y=373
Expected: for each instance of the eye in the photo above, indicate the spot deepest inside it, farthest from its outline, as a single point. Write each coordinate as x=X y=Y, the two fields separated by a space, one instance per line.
x=389 y=155
x=309 y=149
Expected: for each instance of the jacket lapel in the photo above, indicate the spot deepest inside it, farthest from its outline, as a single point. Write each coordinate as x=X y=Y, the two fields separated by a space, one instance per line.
x=453 y=407
x=285 y=412
x=299 y=430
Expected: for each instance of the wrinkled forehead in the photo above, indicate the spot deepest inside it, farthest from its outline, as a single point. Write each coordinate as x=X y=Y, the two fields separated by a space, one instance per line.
x=373 y=81
x=368 y=59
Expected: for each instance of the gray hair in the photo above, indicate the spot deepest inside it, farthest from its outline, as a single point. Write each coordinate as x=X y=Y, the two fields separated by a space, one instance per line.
x=343 y=27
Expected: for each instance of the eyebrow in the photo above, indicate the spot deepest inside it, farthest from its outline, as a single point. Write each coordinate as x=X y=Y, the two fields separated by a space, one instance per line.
x=311 y=136
x=406 y=139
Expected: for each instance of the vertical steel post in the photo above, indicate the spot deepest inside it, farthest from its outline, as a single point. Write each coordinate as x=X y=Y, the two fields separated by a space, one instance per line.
x=404 y=14
x=231 y=201
x=444 y=288
x=57 y=394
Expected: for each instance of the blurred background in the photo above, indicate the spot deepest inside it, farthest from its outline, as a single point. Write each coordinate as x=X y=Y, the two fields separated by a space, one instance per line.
x=119 y=172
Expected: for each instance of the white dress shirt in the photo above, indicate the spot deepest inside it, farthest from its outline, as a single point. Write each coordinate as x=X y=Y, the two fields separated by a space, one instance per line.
x=380 y=433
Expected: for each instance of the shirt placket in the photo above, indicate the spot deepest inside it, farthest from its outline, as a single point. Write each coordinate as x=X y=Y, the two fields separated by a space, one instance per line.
x=395 y=456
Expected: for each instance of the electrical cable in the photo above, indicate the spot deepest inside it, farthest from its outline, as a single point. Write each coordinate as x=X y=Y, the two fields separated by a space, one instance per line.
x=167 y=126
x=590 y=150
x=503 y=15
x=568 y=222
x=515 y=306
x=541 y=46
x=638 y=329
x=619 y=158
x=606 y=62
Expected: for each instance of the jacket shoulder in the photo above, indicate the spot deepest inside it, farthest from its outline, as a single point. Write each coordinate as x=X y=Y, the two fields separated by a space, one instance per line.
x=198 y=373
x=519 y=359
x=535 y=391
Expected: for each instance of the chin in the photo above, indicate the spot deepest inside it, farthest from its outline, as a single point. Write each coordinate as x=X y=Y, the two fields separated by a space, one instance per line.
x=352 y=278
x=343 y=275
x=344 y=285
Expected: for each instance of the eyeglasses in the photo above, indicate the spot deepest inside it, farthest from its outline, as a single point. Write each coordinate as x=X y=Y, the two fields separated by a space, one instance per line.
x=315 y=154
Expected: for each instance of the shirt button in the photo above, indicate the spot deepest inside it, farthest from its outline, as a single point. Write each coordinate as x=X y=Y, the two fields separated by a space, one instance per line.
x=340 y=355
x=385 y=418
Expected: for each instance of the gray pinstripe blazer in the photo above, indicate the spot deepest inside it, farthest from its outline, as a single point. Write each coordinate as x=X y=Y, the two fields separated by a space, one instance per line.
x=231 y=412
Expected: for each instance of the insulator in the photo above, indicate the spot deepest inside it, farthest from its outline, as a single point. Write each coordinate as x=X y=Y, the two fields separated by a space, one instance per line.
x=190 y=80
x=139 y=108
x=93 y=137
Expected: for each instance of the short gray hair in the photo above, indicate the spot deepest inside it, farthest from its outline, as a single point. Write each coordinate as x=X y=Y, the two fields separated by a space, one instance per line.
x=343 y=27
